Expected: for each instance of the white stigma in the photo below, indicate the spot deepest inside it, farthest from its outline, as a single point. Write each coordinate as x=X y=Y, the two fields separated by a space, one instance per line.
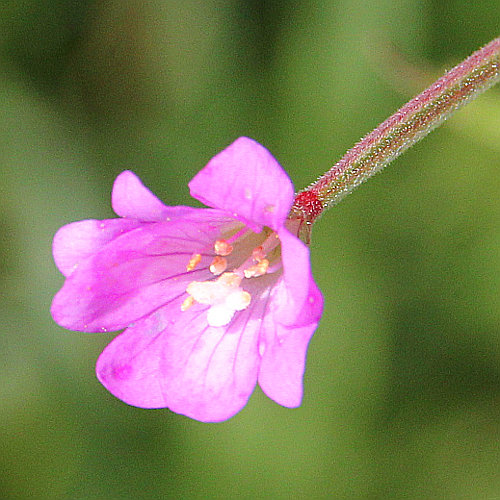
x=225 y=296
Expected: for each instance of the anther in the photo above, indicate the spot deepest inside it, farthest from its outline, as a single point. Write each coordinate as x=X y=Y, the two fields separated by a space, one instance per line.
x=257 y=270
x=193 y=261
x=258 y=253
x=218 y=265
x=222 y=248
x=230 y=279
x=187 y=303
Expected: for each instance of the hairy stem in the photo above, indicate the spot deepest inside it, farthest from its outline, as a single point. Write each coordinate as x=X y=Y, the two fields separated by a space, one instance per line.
x=403 y=129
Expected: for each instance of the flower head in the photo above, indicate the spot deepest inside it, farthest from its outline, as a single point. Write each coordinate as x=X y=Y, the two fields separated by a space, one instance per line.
x=213 y=300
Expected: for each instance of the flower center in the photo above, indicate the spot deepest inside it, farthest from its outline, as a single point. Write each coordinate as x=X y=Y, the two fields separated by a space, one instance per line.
x=224 y=293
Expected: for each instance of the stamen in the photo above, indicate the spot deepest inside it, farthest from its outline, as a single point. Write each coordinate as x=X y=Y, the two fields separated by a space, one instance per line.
x=218 y=265
x=224 y=295
x=187 y=303
x=193 y=261
x=271 y=242
x=258 y=253
x=223 y=248
x=257 y=270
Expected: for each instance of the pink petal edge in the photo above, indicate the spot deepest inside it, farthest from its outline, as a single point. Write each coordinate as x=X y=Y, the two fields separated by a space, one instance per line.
x=246 y=180
x=175 y=360
x=130 y=198
x=75 y=242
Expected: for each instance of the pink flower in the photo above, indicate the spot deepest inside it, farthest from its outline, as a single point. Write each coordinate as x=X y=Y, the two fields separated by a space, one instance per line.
x=213 y=300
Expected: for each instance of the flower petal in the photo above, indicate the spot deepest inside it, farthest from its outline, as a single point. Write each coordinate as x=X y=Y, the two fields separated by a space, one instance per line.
x=77 y=241
x=293 y=314
x=297 y=299
x=246 y=180
x=129 y=366
x=131 y=199
x=283 y=362
x=136 y=273
x=174 y=359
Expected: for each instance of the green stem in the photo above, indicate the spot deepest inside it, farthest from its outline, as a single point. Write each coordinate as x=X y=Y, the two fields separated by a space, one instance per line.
x=403 y=129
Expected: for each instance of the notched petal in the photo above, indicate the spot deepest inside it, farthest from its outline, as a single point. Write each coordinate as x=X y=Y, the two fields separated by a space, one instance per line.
x=246 y=180
x=173 y=359
x=132 y=199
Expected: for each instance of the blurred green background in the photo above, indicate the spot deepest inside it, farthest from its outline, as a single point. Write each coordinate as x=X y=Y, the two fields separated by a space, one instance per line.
x=402 y=389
